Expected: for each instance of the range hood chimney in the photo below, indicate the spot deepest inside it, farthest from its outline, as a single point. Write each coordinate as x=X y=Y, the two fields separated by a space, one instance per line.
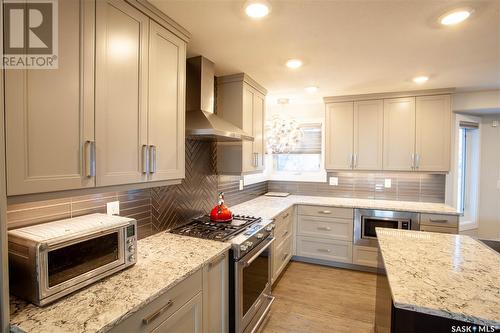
x=201 y=121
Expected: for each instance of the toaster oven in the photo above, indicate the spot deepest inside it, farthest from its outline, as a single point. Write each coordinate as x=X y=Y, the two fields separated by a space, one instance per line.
x=50 y=260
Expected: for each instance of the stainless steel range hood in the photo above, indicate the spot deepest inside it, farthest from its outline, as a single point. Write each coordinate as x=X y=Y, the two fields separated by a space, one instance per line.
x=201 y=121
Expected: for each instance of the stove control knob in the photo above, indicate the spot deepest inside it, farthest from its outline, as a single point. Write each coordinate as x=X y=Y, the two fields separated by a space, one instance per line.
x=243 y=247
x=270 y=227
x=131 y=248
x=249 y=243
x=260 y=235
x=131 y=257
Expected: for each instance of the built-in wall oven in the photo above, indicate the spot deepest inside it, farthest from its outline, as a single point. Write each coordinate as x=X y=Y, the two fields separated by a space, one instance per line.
x=366 y=220
x=250 y=286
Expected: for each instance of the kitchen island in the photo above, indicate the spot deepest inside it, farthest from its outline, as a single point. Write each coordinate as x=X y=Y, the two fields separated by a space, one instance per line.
x=431 y=282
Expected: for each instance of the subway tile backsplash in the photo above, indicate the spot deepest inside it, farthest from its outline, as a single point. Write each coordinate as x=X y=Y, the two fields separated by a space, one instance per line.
x=404 y=186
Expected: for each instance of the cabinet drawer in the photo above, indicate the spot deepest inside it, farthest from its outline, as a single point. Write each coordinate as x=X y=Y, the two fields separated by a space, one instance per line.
x=364 y=256
x=162 y=307
x=283 y=219
x=325 y=227
x=444 y=230
x=281 y=256
x=323 y=211
x=284 y=229
x=334 y=250
x=439 y=220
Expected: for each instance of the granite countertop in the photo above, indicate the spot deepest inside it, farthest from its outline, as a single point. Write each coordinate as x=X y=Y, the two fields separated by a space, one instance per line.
x=163 y=260
x=452 y=276
x=269 y=207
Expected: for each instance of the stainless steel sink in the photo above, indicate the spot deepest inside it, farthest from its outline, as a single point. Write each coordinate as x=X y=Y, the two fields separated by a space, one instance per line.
x=494 y=244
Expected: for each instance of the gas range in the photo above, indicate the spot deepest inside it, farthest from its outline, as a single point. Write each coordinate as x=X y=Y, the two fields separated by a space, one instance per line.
x=243 y=232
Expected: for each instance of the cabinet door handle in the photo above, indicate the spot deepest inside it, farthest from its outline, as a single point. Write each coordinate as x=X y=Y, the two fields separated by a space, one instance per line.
x=145 y=159
x=156 y=314
x=412 y=160
x=325 y=212
x=324 y=250
x=89 y=151
x=152 y=159
x=417 y=161
x=255 y=159
x=438 y=220
x=216 y=261
x=355 y=163
x=351 y=161
x=324 y=228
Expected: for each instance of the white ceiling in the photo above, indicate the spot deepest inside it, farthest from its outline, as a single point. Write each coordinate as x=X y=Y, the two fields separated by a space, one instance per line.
x=348 y=47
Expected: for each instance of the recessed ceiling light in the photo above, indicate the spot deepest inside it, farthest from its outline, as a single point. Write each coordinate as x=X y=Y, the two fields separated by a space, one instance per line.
x=454 y=17
x=257 y=9
x=420 y=79
x=294 y=63
x=312 y=89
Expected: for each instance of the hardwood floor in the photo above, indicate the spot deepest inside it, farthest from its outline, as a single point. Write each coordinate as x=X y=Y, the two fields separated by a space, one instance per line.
x=317 y=299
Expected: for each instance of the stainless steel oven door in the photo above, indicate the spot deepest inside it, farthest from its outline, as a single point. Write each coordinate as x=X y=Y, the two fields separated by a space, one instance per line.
x=253 y=285
x=65 y=266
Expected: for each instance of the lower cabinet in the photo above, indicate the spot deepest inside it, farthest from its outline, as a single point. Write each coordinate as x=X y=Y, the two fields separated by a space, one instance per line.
x=186 y=320
x=365 y=256
x=197 y=304
x=325 y=249
x=282 y=248
x=215 y=295
x=447 y=224
x=325 y=233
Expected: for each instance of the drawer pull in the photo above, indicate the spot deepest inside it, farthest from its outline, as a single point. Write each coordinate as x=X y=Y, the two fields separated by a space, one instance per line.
x=438 y=221
x=155 y=315
x=285 y=233
x=286 y=215
x=325 y=228
x=285 y=256
x=324 y=250
x=217 y=261
x=325 y=212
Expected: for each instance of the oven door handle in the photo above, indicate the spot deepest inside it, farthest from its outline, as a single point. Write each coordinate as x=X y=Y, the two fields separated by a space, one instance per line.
x=255 y=256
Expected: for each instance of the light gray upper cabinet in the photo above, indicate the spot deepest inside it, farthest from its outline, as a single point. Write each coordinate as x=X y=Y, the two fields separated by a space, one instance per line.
x=354 y=132
x=167 y=75
x=121 y=93
x=241 y=101
x=433 y=129
x=50 y=112
x=112 y=113
x=399 y=133
x=408 y=132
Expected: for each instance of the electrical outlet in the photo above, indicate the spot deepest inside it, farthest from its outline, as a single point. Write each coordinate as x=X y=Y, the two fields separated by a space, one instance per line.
x=387 y=183
x=241 y=184
x=334 y=181
x=113 y=208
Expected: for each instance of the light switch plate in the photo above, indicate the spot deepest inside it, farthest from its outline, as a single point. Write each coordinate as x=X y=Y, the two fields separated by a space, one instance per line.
x=387 y=183
x=241 y=184
x=334 y=181
x=113 y=208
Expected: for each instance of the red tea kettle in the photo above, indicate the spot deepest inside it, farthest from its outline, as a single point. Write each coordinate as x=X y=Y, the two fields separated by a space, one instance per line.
x=221 y=213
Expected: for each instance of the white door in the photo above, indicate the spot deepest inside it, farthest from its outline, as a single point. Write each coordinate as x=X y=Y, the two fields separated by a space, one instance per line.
x=121 y=93
x=433 y=131
x=339 y=136
x=167 y=75
x=50 y=112
x=258 y=130
x=368 y=134
x=399 y=133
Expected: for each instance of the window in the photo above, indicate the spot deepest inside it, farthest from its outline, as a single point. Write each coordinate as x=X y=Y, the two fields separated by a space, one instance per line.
x=305 y=156
x=468 y=173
